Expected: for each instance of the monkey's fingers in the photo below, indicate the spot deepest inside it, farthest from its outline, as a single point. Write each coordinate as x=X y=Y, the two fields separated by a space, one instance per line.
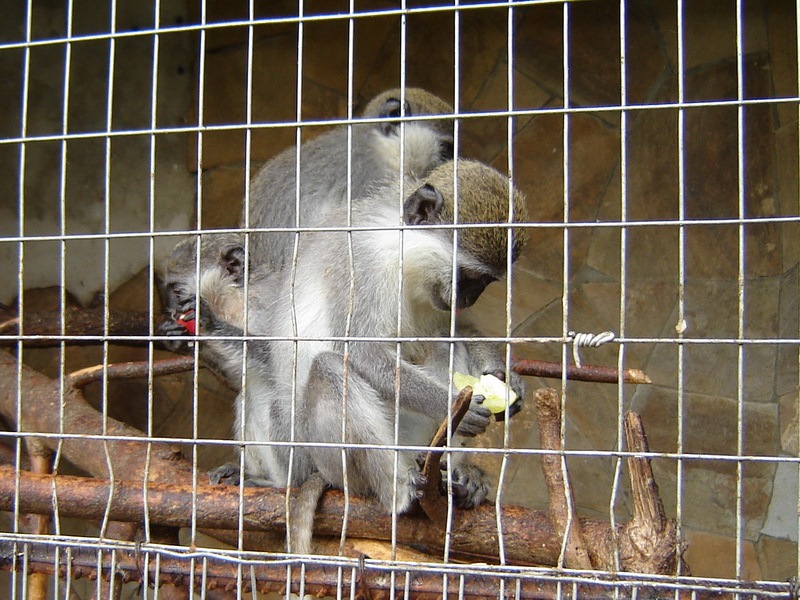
x=475 y=421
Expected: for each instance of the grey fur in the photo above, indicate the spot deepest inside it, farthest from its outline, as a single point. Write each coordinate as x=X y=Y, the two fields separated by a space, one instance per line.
x=374 y=156
x=364 y=384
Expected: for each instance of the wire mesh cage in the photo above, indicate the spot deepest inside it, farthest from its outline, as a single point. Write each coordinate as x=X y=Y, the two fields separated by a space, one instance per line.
x=322 y=162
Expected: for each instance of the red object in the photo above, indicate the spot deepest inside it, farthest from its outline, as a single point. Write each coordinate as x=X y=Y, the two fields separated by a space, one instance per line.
x=186 y=320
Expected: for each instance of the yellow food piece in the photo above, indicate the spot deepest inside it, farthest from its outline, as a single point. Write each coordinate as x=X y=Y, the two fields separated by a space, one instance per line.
x=490 y=387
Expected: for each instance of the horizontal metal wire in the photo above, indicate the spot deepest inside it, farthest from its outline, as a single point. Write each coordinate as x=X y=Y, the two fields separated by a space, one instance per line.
x=529 y=112
x=200 y=441
x=566 y=576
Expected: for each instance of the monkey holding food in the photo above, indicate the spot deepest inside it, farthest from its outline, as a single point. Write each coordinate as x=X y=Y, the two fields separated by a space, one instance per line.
x=320 y=313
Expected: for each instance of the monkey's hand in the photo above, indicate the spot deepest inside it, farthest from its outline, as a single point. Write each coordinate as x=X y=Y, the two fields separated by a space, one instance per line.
x=171 y=327
x=229 y=474
x=203 y=320
x=476 y=420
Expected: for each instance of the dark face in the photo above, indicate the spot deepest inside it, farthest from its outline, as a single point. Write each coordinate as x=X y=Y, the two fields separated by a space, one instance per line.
x=469 y=287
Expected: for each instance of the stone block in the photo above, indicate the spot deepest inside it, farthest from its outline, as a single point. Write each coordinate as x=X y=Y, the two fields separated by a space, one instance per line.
x=594 y=51
x=709 y=30
x=777 y=557
x=539 y=173
x=782 y=515
x=710 y=555
x=711 y=311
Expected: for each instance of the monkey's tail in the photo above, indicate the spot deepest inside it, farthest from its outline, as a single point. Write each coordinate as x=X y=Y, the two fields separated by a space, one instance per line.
x=301 y=514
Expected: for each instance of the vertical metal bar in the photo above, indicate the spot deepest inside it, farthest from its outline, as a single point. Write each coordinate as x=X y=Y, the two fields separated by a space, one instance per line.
x=740 y=288
x=151 y=192
x=566 y=262
x=399 y=299
x=26 y=73
x=509 y=278
x=352 y=282
x=623 y=254
x=201 y=81
x=797 y=276
x=248 y=147
x=681 y=263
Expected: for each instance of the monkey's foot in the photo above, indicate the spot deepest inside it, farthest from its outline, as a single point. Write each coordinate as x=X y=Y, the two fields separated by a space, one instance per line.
x=470 y=485
x=227 y=474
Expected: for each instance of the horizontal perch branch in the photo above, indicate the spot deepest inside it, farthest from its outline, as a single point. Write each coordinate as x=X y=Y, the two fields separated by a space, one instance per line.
x=76 y=321
x=530 y=538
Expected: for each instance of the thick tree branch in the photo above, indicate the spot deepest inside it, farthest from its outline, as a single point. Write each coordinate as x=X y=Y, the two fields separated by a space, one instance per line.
x=562 y=503
x=650 y=540
x=77 y=321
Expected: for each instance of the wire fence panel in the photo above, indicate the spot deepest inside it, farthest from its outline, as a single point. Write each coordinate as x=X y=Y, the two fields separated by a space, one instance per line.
x=494 y=299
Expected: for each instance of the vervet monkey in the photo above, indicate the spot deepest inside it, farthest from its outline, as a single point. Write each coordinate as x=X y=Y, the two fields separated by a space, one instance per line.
x=357 y=390
x=374 y=154
x=221 y=286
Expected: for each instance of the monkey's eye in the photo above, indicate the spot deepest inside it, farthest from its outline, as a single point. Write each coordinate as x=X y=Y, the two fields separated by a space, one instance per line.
x=446 y=150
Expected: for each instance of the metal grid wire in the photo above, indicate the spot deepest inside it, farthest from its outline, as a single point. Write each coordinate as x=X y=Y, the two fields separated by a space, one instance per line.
x=101 y=111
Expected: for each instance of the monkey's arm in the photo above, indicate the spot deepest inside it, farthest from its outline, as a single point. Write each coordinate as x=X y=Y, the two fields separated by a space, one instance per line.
x=418 y=391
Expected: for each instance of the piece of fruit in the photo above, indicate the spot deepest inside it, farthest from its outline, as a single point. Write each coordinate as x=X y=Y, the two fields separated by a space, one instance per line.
x=490 y=387
x=186 y=320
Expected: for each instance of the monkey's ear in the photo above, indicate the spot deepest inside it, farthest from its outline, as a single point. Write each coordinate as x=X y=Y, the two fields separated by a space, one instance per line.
x=391 y=110
x=423 y=206
x=233 y=262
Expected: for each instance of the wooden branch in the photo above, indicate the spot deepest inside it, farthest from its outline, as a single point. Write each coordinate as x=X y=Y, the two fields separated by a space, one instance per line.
x=77 y=321
x=432 y=501
x=41 y=458
x=129 y=370
x=554 y=370
x=562 y=503
x=650 y=540
x=473 y=535
x=369 y=580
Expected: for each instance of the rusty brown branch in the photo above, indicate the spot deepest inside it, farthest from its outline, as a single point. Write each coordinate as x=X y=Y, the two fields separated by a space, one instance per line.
x=77 y=321
x=554 y=370
x=91 y=322
x=562 y=503
x=473 y=535
x=649 y=540
x=41 y=458
x=432 y=501
x=129 y=370
x=318 y=580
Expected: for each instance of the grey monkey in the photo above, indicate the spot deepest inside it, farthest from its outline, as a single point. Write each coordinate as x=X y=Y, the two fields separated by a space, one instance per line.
x=221 y=294
x=349 y=394
x=221 y=273
x=375 y=154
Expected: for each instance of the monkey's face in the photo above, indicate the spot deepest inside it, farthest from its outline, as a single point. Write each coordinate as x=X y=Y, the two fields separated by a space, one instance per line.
x=470 y=284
